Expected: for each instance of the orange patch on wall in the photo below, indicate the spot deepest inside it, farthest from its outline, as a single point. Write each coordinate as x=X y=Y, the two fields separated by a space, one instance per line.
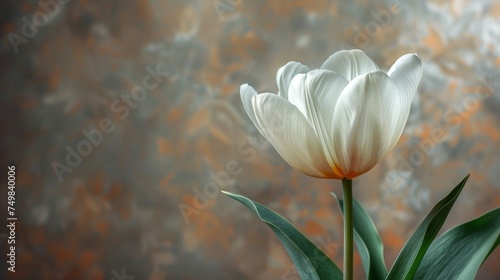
x=313 y=228
x=61 y=253
x=87 y=258
x=164 y=145
x=37 y=236
x=174 y=115
x=391 y=239
x=434 y=41
x=102 y=227
x=97 y=183
x=323 y=213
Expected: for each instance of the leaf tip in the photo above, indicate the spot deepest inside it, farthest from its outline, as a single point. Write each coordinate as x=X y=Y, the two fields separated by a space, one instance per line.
x=334 y=195
x=466 y=178
x=227 y=193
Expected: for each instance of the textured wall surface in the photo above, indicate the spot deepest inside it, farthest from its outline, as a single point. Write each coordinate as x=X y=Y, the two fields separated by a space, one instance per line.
x=115 y=210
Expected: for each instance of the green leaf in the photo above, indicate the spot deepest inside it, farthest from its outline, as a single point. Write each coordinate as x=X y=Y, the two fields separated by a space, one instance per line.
x=310 y=261
x=368 y=242
x=458 y=253
x=411 y=255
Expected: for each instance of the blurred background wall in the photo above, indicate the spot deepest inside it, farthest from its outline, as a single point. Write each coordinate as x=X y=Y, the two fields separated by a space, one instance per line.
x=110 y=205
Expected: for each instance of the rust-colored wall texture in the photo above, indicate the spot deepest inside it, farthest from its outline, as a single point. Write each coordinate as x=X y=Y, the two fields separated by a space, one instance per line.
x=117 y=114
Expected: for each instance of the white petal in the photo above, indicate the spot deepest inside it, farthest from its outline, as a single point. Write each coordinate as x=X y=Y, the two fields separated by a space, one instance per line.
x=292 y=136
x=406 y=73
x=315 y=94
x=297 y=86
x=285 y=75
x=362 y=122
x=247 y=93
x=350 y=63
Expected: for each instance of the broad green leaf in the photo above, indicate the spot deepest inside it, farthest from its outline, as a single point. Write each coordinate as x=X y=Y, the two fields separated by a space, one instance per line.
x=368 y=242
x=411 y=255
x=459 y=252
x=310 y=261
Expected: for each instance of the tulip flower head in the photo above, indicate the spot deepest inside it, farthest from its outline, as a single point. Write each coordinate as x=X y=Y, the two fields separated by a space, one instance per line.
x=337 y=121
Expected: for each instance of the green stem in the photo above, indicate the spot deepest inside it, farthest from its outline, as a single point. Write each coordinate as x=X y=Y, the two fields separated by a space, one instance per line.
x=348 y=229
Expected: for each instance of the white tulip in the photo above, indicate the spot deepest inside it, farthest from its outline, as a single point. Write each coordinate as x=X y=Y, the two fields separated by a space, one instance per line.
x=340 y=120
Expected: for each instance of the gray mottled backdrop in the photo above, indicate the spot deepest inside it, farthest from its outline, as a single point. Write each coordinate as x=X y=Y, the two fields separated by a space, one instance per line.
x=118 y=114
